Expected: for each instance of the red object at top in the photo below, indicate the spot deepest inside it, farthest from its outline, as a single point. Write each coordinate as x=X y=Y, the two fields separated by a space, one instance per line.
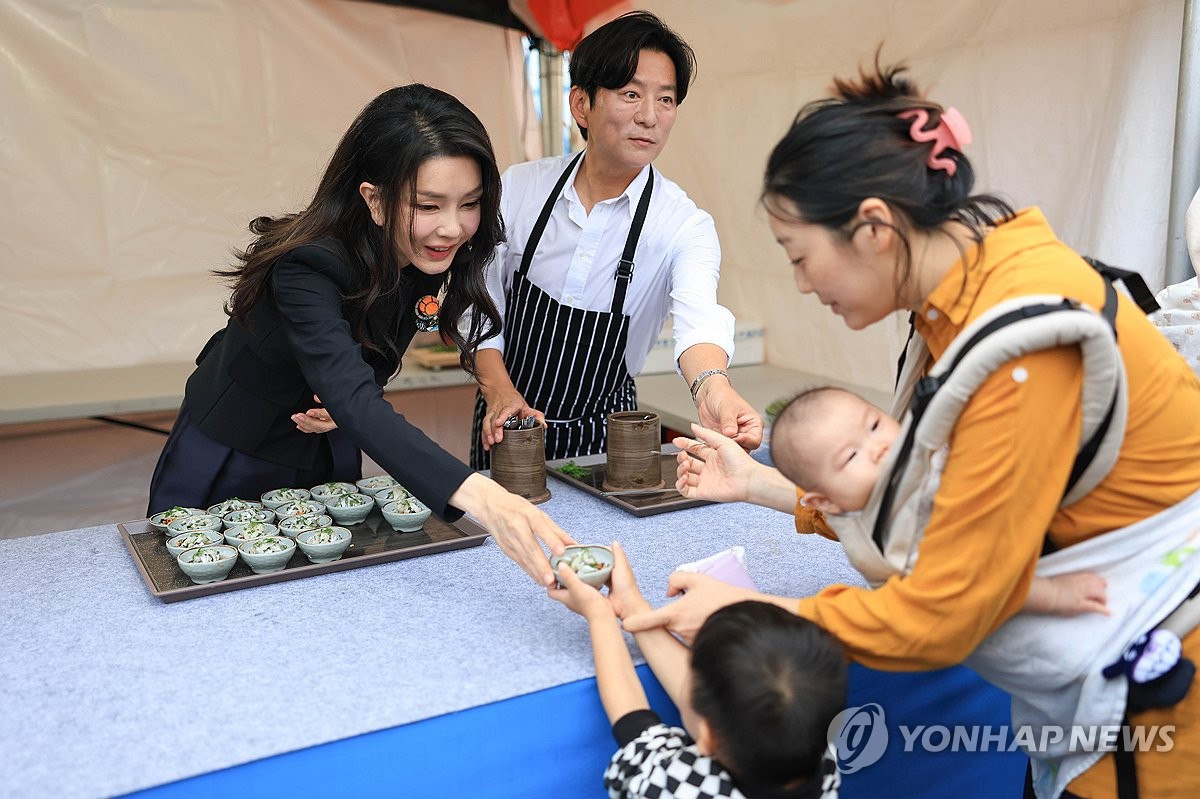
x=563 y=21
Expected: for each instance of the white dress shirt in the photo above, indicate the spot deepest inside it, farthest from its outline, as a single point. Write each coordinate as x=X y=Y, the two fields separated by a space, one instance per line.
x=677 y=262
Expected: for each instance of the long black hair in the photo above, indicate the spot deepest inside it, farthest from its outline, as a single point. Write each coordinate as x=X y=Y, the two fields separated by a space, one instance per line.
x=386 y=144
x=844 y=149
x=768 y=683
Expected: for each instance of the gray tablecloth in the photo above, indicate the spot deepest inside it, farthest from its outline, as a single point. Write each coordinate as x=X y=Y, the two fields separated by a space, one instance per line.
x=106 y=689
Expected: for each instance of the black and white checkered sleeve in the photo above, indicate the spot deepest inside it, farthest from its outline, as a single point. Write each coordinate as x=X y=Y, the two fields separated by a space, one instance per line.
x=662 y=763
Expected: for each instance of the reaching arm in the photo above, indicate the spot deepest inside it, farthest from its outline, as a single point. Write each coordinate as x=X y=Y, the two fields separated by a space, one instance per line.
x=717 y=469
x=720 y=407
x=667 y=657
x=620 y=689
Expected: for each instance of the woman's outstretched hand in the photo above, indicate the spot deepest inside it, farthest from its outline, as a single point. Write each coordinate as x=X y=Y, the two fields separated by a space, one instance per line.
x=702 y=596
x=713 y=467
x=515 y=524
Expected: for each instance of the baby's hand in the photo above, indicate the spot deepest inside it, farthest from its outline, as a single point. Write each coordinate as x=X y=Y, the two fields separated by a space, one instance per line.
x=578 y=595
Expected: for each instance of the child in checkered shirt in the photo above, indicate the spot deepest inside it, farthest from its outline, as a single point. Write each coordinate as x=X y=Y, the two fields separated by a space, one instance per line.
x=757 y=692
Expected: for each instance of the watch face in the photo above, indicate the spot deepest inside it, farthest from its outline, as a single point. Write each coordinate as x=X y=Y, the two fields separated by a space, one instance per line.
x=427 y=313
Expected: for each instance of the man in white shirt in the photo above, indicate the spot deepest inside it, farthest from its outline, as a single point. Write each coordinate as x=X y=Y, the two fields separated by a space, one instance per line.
x=600 y=248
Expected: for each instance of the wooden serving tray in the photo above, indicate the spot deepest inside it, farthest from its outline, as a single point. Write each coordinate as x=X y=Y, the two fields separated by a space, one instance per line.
x=647 y=505
x=372 y=541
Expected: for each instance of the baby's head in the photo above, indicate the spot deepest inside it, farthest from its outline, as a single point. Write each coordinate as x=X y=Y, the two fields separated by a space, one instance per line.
x=832 y=442
x=766 y=684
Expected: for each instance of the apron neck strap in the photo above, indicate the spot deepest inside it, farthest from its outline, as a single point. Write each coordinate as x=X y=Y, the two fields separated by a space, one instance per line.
x=625 y=266
x=540 y=226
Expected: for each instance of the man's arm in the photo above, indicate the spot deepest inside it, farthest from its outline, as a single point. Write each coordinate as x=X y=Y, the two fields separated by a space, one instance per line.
x=720 y=407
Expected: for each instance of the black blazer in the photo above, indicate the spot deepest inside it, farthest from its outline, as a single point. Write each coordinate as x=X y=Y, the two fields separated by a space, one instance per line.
x=251 y=378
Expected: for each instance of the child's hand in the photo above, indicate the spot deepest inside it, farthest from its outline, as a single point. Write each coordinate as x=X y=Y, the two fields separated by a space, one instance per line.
x=623 y=593
x=578 y=595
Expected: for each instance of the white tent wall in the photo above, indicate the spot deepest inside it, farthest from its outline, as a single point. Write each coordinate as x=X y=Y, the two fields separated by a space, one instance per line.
x=138 y=138
x=1072 y=106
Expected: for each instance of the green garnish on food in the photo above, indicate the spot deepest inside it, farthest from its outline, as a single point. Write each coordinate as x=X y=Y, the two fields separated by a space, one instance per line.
x=572 y=469
x=266 y=546
x=206 y=555
x=325 y=535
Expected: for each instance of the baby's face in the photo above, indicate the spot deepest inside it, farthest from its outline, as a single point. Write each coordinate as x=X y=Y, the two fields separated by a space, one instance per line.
x=847 y=448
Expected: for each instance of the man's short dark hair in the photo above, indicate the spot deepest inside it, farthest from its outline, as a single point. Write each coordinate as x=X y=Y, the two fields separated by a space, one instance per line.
x=607 y=58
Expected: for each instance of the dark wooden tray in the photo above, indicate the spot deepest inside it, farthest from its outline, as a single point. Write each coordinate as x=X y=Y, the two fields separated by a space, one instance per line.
x=647 y=505
x=372 y=541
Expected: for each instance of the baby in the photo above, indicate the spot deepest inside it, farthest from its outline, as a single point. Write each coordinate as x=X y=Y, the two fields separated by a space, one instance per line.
x=757 y=692
x=832 y=443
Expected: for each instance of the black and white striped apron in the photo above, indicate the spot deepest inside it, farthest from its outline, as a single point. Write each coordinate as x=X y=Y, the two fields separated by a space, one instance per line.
x=567 y=362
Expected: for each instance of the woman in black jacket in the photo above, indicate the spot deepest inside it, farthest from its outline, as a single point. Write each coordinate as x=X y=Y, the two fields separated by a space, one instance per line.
x=324 y=303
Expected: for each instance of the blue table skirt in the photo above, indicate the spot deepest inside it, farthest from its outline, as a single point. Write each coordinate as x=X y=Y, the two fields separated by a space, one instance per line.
x=557 y=742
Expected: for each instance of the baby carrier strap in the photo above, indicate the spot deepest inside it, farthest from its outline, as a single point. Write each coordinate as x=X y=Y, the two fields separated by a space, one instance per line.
x=1005 y=332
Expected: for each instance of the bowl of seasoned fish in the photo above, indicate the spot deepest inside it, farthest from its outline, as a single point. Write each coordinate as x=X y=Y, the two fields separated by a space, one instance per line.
x=190 y=524
x=177 y=544
x=281 y=496
x=406 y=515
x=301 y=507
x=327 y=491
x=593 y=563
x=294 y=525
x=324 y=545
x=207 y=564
x=373 y=485
x=268 y=554
x=350 y=508
x=233 y=503
x=160 y=520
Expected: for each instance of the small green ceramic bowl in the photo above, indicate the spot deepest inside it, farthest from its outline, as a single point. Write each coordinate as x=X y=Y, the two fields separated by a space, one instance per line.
x=282 y=496
x=269 y=554
x=178 y=544
x=301 y=507
x=350 y=508
x=385 y=495
x=592 y=562
x=190 y=524
x=236 y=536
x=373 y=485
x=293 y=525
x=402 y=516
x=160 y=520
x=324 y=545
x=207 y=564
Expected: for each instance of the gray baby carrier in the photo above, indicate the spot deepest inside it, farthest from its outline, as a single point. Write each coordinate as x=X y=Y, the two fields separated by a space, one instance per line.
x=1063 y=673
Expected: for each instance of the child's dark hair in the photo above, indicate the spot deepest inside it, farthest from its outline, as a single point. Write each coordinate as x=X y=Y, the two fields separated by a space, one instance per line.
x=768 y=682
x=607 y=58
x=842 y=150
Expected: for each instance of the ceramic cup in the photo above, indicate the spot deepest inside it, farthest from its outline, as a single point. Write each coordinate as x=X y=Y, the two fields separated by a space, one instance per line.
x=519 y=463
x=634 y=439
